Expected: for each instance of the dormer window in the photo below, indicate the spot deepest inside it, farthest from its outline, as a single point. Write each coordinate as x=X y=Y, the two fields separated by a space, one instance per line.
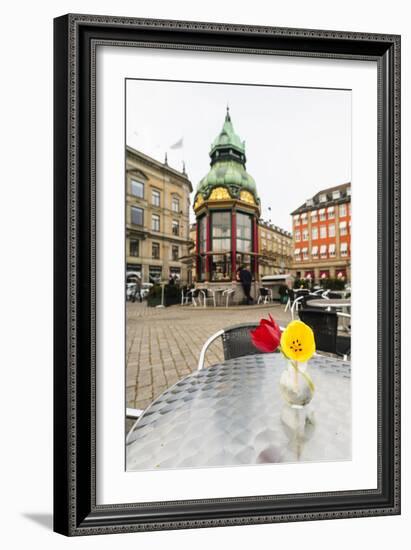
x=323 y=197
x=336 y=195
x=309 y=202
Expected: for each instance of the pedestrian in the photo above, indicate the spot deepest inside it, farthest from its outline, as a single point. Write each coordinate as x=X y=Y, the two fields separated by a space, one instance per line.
x=137 y=290
x=245 y=278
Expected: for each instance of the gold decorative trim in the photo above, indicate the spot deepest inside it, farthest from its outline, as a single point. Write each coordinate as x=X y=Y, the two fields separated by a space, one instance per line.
x=199 y=201
x=246 y=196
x=219 y=194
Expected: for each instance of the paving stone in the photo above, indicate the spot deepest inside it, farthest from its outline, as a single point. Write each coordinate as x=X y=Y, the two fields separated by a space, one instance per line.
x=163 y=345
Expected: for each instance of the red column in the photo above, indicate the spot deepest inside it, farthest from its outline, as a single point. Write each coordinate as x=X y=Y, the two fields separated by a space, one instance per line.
x=198 y=265
x=209 y=258
x=256 y=246
x=233 y=246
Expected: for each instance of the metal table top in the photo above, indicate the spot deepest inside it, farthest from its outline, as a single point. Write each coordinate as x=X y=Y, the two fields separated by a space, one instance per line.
x=322 y=302
x=232 y=414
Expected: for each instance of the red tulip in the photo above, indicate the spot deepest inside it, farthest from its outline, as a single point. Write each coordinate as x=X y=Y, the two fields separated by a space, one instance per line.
x=266 y=337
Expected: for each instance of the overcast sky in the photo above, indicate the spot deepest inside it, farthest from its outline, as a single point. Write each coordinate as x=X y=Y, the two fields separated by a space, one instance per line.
x=298 y=140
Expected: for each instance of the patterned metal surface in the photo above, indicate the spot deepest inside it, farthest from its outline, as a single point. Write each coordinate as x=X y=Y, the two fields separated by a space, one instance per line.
x=232 y=414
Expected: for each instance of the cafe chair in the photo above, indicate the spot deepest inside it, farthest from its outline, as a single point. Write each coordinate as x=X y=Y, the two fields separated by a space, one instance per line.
x=228 y=293
x=325 y=327
x=208 y=295
x=236 y=342
x=265 y=296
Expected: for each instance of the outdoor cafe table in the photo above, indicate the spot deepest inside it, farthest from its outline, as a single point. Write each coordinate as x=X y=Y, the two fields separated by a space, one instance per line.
x=232 y=413
x=328 y=304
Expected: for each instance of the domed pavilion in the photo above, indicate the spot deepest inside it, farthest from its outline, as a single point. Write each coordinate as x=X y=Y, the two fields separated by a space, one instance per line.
x=227 y=210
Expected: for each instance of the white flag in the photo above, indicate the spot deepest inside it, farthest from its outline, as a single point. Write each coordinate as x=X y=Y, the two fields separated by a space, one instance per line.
x=178 y=144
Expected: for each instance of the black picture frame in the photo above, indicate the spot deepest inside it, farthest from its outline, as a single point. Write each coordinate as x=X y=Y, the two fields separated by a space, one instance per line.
x=75 y=40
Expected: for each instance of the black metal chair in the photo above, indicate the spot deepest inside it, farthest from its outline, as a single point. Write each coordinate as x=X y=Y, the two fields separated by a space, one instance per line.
x=265 y=295
x=325 y=328
x=236 y=342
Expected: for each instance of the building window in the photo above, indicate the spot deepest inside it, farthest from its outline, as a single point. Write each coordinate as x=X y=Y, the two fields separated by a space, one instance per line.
x=314 y=233
x=297 y=256
x=137 y=215
x=323 y=251
x=175 y=204
x=323 y=232
x=175 y=227
x=305 y=254
x=314 y=216
x=331 y=230
x=297 y=236
x=314 y=252
x=309 y=202
x=154 y=274
x=137 y=189
x=244 y=233
x=330 y=211
x=343 y=210
x=296 y=219
x=175 y=273
x=323 y=216
x=175 y=253
x=344 y=250
x=263 y=234
x=134 y=247
x=305 y=235
x=155 y=222
x=155 y=251
x=155 y=197
x=323 y=197
x=331 y=250
x=343 y=228
x=336 y=195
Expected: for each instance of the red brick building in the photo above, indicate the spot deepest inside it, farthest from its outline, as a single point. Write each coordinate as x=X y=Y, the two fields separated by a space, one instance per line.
x=322 y=235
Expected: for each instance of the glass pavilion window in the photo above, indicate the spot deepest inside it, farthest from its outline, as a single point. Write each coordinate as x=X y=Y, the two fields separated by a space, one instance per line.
x=244 y=242
x=202 y=246
x=221 y=245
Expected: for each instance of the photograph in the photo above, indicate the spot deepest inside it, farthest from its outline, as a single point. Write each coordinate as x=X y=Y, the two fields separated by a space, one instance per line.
x=237 y=275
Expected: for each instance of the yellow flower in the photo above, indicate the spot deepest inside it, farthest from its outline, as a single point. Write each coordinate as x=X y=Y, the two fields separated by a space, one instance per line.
x=297 y=341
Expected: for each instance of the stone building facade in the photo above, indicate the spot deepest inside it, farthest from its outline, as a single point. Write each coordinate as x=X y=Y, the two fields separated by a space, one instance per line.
x=322 y=235
x=157 y=219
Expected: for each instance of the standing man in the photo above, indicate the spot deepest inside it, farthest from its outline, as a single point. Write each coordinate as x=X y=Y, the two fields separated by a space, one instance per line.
x=137 y=290
x=245 y=278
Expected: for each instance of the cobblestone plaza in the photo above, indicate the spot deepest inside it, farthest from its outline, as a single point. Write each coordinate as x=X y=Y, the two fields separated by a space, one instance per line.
x=163 y=345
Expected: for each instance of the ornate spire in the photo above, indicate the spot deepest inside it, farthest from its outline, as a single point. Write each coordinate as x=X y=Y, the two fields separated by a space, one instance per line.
x=227 y=116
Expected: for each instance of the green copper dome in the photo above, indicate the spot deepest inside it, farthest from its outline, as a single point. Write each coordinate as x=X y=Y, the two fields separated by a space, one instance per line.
x=227 y=165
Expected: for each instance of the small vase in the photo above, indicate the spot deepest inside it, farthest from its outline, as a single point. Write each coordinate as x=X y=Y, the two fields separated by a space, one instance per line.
x=296 y=386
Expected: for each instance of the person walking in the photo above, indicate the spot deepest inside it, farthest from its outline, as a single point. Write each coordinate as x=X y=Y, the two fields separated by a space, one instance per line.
x=245 y=278
x=137 y=290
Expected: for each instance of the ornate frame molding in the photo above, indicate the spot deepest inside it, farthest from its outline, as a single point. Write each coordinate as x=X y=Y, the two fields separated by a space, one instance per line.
x=76 y=40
